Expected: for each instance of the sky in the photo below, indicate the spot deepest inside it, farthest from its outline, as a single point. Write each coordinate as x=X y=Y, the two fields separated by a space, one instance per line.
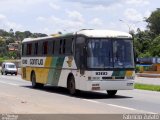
x=53 y=16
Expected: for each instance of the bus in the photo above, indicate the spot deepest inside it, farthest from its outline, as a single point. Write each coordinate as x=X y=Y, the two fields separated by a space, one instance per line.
x=86 y=60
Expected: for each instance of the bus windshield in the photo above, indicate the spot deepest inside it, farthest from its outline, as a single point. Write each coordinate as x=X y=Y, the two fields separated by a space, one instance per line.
x=110 y=53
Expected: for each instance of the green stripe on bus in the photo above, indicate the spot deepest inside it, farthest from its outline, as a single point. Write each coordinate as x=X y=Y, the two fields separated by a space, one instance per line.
x=122 y=73
x=119 y=73
x=54 y=74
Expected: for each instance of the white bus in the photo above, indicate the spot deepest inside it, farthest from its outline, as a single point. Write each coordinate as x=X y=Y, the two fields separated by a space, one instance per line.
x=87 y=60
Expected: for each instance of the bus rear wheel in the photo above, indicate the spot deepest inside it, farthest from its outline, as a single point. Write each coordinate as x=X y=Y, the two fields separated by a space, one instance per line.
x=111 y=92
x=71 y=85
x=34 y=83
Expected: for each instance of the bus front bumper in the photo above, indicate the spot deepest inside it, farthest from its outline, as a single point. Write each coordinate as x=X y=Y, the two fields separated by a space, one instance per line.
x=110 y=85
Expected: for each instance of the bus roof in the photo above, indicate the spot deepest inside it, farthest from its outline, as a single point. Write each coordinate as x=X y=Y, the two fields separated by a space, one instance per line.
x=35 y=39
x=87 y=33
x=104 y=33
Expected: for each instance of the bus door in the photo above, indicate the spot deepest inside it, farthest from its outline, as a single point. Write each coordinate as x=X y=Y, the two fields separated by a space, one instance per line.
x=80 y=56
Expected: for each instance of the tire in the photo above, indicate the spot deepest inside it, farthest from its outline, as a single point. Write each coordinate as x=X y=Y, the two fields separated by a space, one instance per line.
x=71 y=85
x=111 y=93
x=34 y=83
x=2 y=73
x=15 y=74
x=33 y=80
x=5 y=73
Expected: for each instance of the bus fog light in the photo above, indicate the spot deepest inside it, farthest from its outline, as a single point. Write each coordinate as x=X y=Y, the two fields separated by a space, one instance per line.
x=130 y=77
x=93 y=78
x=129 y=84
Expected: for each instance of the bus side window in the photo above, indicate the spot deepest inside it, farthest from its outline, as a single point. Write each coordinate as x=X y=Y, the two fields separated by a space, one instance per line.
x=45 y=48
x=29 y=49
x=60 y=47
x=80 y=41
x=36 y=48
x=22 y=49
x=64 y=46
x=40 y=48
x=69 y=46
x=56 y=47
x=53 y=47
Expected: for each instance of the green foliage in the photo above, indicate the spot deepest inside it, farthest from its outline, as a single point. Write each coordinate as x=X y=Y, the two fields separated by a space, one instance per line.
x=11 y=37
x=147 y=87
x=12 y=54
x=3 y=47
x=147 y=43
x=142 y=43
x=154 y=22
x=155 y=47
x=137 y=69
x=146 y=54
x=1 y=60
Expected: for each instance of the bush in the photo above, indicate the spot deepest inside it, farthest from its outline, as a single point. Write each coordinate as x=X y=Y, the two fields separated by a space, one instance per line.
x=137 y=69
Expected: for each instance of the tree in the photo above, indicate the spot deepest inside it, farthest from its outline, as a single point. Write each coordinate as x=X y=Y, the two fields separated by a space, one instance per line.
x=19 y=35
x=3 y=33
x=154 y=22
x=3 y=47
x=27 y=34
x=11 y=37
x=11 y=32
x=12 y=54
x=142 y=43
x=155 y=47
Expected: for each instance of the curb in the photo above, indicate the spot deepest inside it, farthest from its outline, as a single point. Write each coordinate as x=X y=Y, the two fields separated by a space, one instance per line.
x=148 y=75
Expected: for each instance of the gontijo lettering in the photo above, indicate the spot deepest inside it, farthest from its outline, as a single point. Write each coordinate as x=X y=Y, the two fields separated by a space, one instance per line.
x=24 y=61
x=36 y=61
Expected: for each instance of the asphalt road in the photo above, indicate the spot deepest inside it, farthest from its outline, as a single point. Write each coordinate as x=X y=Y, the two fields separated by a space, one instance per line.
x=17 y=96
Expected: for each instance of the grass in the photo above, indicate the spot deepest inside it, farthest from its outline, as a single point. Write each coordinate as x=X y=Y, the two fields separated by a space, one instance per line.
x=1 y=59
x=147 y=87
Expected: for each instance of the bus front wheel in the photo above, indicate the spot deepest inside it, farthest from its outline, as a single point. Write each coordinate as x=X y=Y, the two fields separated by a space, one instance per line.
x=71 y=85
x=111 y=92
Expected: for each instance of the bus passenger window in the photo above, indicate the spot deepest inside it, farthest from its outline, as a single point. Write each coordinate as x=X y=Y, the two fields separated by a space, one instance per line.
x=29 y=49
x=64 y=45
x=22 y=49
x=36 y=49
x=53 y=45
x=45 y=47
x=60 y=47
